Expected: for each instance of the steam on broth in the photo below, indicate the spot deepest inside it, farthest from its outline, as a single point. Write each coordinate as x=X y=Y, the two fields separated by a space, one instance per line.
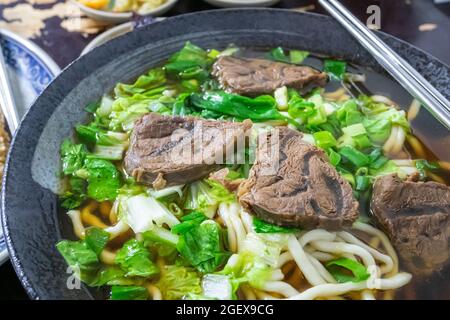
x=143 y=233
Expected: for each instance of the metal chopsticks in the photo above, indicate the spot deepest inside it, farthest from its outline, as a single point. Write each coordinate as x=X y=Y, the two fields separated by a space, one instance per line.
x=6 y=97
x=395 y=65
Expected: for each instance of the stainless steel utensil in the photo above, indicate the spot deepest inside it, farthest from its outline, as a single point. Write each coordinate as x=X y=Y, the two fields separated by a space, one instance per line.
x=395 y=65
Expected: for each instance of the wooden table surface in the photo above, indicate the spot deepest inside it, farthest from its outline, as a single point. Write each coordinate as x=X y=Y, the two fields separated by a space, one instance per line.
x=58 y=28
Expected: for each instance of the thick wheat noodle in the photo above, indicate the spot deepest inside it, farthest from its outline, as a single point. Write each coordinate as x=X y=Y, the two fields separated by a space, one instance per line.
x=284 y=258
x=388 y=261
x=322 y=256
x=321 y=269
x=154 y=292
x=280 y=287
x=340 y=248
x=248 y=292
x=232 y=240
x=384 y=240
x=113 y=212
x=335 y=95
x=300 y=257
x=277 y=275
x=444 y=165
x=118 y=229
x=413 y=110
x=367 y=295
x=435 y=177
x=314 y=235
x=247 y=220
x=399 y=141
x=264 y=295
x=375 y=242
x=387 y=147
x=77 y=224
x=108 y=257
x=237 y=224
x=419 y=150
x=383 y=99
x=332 y=289
x=403 y=162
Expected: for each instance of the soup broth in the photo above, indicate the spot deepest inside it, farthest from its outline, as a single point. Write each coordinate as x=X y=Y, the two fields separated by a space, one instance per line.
x=287 y=279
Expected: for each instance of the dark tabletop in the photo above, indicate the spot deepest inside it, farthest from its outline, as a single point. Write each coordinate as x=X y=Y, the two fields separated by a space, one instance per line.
x=406 y=19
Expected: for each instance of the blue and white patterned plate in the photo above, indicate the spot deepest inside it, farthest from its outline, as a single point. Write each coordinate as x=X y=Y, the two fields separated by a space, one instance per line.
x=30 y=70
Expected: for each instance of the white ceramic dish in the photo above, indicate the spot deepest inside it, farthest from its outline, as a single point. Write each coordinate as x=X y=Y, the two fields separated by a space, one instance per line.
x=30 y=70
x=242 y=3
x=119 y=17
x=110 y=34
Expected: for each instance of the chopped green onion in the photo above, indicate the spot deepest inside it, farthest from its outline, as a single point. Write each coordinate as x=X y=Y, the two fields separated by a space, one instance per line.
x=324 y=139
x=335 y=158
x=298 y=56
x=363 y=183
x=359 y=271
x=356 y=157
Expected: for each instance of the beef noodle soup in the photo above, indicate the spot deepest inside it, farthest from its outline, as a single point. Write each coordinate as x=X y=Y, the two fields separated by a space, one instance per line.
x=257 y=174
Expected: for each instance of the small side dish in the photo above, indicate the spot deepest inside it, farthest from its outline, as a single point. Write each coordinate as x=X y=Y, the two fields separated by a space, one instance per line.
x=139 y=6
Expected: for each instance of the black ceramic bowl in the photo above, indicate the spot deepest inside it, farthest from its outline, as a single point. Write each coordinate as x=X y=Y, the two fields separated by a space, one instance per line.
x=31 y=221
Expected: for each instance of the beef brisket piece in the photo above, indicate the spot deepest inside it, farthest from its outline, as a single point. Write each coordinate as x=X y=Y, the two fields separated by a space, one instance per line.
x=171 y=150
x=303 y=190
x=253 y=77
x=416 y=217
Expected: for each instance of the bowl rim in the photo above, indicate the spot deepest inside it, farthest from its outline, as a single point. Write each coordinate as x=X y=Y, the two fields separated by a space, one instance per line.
x=76 y=66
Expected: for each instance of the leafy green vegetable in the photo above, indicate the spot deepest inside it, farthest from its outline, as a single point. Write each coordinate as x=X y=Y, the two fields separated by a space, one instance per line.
x=134 y=259
x=358 y=271
x=423 y=166
x=96 y=239
x=189 y=222
x=295 y=56
x=202 y=245
x=206 y=195
x=262 y=108
x=217 y=286
x=103 y=179
x=179 y=107
x=112 y=275
x=81 y=258
x=72 y=156
x=336 y=69
x=247 y=267
x=142 y=213
x=261 y=226
x=75 y=195
x=278 y=54
x=128 y=293
x=176 y=282
x=126 y=110
x=190 y=62
x=153 y=79
x=162 y=240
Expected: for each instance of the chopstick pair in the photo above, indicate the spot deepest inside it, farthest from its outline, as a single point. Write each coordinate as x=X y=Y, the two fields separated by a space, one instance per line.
x=395 y=65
